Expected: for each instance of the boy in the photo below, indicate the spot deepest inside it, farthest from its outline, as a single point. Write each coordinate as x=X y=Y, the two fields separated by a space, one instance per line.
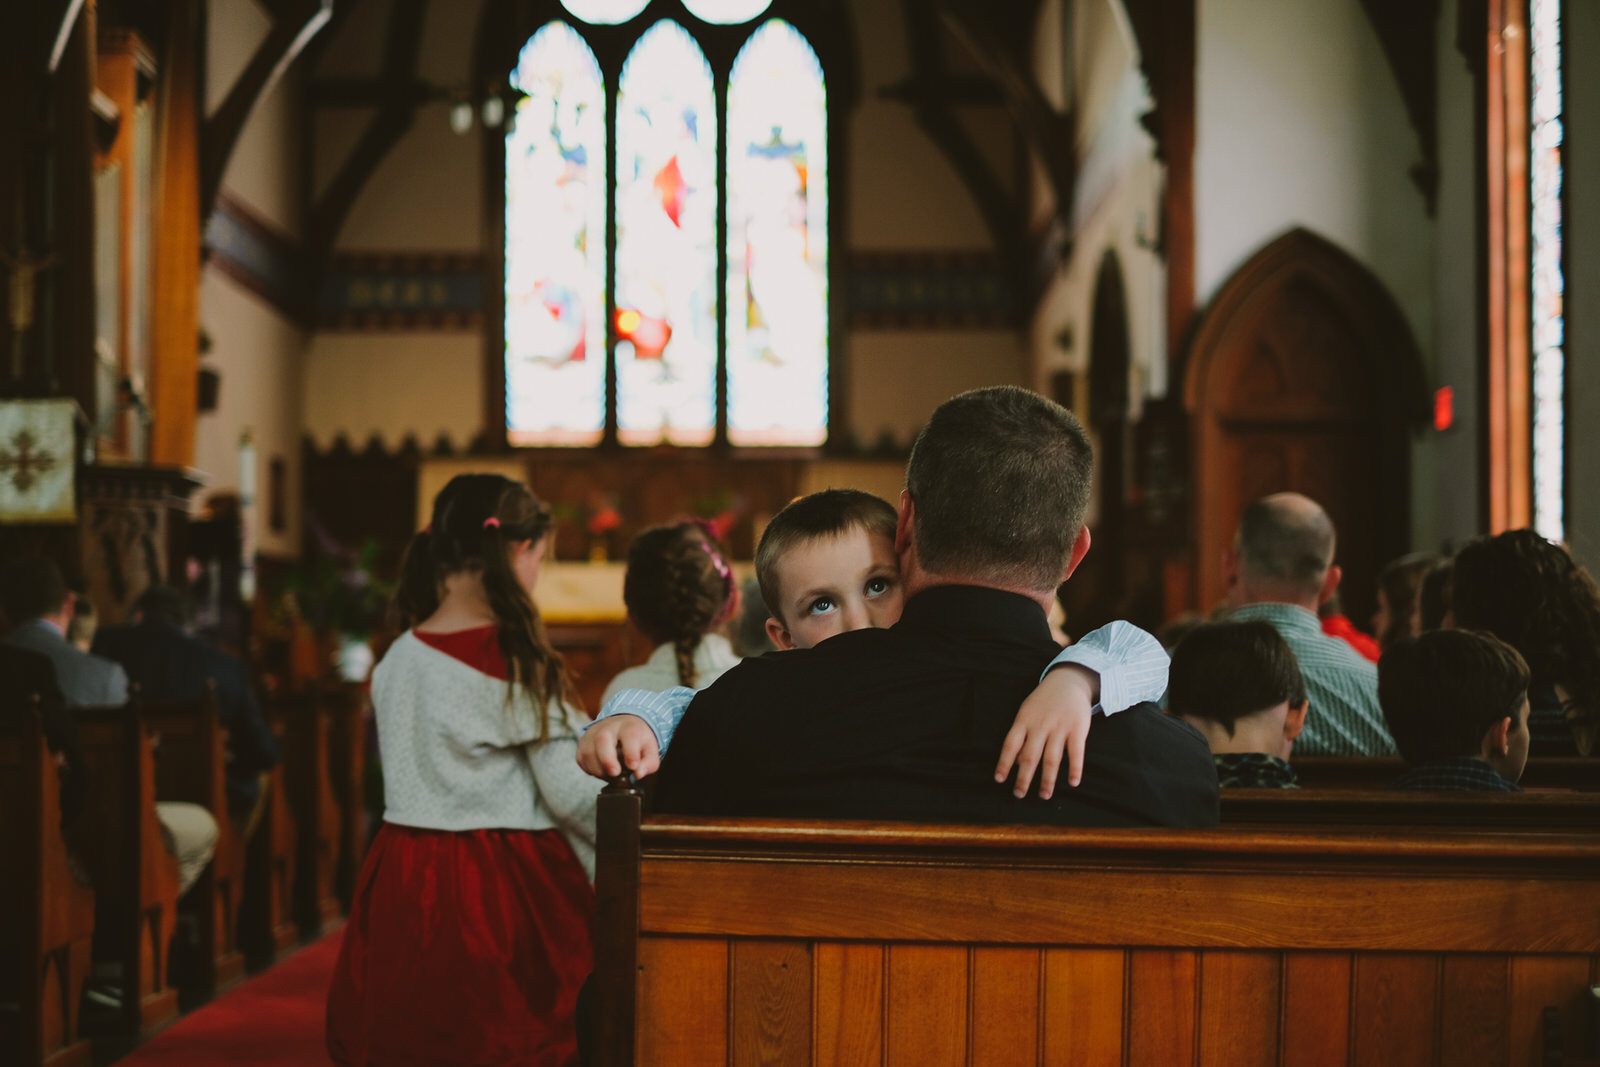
x=1457 y=705
x=1239 y=684
x=826 y=565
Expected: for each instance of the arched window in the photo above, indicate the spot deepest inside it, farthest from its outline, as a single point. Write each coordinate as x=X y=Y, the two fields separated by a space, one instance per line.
x=667 y=227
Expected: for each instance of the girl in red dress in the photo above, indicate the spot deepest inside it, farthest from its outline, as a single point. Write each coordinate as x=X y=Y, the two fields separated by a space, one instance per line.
x=469 y=935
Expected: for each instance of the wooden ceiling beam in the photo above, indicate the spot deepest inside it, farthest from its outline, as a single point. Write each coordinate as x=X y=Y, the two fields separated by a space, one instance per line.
x=1409 y=38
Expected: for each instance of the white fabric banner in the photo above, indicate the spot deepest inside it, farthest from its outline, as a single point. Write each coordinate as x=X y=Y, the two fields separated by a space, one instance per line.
x=37 y=467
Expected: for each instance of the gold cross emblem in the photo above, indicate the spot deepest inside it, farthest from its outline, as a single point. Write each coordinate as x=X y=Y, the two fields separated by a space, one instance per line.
x=25 y=464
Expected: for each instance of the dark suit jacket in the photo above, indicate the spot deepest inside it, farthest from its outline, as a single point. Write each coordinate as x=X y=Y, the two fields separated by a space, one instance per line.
x=168 y=664
x=907 y=723
x=24 y=674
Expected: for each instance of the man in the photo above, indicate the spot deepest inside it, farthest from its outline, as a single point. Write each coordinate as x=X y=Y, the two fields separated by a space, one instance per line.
x=28 y=683
x=1281 y=570
x=904 y=722
x=39 y=606
x=168 y=663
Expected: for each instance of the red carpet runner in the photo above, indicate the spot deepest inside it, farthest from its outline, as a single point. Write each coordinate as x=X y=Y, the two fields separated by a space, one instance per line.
x=275 y=1018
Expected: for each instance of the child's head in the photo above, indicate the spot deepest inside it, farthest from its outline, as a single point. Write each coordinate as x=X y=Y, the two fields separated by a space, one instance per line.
x=827 y=564
x=1240 y=685
x=1453 y=693
x=678 y=586
x=494 y=530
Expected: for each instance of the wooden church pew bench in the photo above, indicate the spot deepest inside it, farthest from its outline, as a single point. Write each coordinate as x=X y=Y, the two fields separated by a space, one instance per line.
x=347 y=766
x=1361 y=772
x=316 y=813
x=1364 y=809
x=135 y=878
x=266 y=912
x=191 y=765
x=46 y=913
x=773 y=941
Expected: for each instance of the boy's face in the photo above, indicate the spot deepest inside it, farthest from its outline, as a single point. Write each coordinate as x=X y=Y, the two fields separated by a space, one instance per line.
x=833 y=584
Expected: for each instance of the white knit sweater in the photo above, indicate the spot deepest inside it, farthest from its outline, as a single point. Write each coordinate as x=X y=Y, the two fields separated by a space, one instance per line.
x=458 y=756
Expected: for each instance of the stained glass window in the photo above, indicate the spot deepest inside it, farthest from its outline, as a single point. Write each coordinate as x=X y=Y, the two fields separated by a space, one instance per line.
x=666 y=284
x=1545 y=174
x=777 y=242
x=675 y=331
x=729 y=11
x=555 y=244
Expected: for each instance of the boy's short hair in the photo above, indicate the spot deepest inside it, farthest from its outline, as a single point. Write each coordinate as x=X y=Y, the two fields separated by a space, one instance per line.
x=1226 y=671
x=1441 y=691
x=826 y=514
x=31 y=587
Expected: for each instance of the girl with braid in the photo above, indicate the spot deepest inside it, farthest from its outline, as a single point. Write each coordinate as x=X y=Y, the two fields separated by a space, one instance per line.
x=679 y=588
x=469 y=935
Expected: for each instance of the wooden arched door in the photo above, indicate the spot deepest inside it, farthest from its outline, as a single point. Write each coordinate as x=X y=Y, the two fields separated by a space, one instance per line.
x=1304 y=376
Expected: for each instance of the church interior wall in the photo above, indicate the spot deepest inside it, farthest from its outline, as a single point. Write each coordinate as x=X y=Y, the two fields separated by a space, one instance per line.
x=1581 y=24
x=257 y=350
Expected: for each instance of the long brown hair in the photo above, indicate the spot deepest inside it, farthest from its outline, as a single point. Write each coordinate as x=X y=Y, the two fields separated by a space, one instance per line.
x=678 y=584
x=476 y=520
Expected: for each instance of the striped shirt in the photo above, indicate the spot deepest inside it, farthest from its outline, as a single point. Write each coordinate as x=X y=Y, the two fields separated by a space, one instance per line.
x=1345 y=719
x=1132 y=666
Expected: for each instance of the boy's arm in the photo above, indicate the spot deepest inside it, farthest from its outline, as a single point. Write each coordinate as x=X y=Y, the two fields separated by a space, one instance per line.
x=635 y=725
x=1109 y=670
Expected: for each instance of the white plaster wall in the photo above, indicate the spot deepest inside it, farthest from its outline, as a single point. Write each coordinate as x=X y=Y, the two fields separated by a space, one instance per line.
x=1582 y=72
x=1299 y=122
x=394 y=384
x=259 y=354
x=264 y=170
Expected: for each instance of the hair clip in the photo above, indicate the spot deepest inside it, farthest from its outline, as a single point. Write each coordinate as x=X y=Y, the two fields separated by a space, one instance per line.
x=491 y=523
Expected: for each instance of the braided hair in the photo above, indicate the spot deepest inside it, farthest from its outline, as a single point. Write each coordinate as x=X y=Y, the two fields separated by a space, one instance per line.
x=1533 y=595
x=477 y=518
x=678 y=586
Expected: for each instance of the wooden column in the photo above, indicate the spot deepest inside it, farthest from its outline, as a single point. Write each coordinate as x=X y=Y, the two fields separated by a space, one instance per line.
x=175 y=314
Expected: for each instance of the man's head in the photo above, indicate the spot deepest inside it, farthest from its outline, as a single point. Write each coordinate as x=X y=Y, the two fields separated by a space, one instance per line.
x=1240 y=685
x=1449 y=694
x=1283 y=553
x=826 y=564
x=996 y=492
x=164 y=603
x=31 y=587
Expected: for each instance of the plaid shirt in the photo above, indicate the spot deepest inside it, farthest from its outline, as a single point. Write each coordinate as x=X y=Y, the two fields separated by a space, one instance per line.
x=1254 y=770
x=1465 y=772
x=1345 y=719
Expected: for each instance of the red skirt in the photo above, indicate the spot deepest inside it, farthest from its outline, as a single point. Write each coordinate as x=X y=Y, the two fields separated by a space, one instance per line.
x=463 y=948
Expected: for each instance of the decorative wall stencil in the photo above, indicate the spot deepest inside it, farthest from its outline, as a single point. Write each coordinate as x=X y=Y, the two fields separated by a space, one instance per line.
x=37 y=469
x=258 y=255
x=402 y=291
x=929 y=291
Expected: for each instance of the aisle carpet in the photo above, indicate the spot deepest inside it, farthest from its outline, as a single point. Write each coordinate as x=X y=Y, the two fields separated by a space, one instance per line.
x=274 y=1018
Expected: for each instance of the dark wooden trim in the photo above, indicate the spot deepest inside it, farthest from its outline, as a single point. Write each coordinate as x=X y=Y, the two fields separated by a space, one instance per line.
x=295 y=23
x=371 y=92
x=1407 y=33
x=616 y=922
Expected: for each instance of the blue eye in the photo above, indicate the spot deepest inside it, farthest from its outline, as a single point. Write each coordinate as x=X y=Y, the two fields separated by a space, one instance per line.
x=821 y=606
x=877 y=586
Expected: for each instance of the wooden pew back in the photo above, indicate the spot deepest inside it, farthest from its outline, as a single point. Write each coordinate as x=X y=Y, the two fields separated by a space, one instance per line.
x=306 y=775
x=191 y=765
x=135 y=878
x=798 y=943
x=1347 y=772
x=46 y=913
x=1362 y=810
x=268 y=929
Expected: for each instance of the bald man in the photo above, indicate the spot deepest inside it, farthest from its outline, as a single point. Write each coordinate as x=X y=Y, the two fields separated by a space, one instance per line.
x=1280 y=571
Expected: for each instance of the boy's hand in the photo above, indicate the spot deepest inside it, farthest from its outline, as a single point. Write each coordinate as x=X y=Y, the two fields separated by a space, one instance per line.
x=1053 y=722
x=626 y=736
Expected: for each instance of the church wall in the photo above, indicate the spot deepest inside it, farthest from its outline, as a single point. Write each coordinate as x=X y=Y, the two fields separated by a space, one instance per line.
x=255 y=346
x=1582 y=236
x=901 y=198
x=1299 y=122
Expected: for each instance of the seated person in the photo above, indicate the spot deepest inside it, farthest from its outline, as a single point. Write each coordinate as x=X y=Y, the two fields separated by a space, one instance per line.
x=1457 y=705
x=828 y=561
x=903 y=722
x=166 y=662
x=1238 y=683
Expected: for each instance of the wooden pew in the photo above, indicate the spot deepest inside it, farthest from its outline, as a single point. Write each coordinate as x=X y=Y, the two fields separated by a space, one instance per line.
x=1361 y=772
x=135 y=878
x=755 y=940
x=1361 y=810
x=191 y=765
x=46 y=912
x=347 y=766
x=267 y=929
x=316 y=813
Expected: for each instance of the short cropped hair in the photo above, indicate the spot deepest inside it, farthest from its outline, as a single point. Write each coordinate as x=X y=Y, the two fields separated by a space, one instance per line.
x=1000 y=480
x=1226 y=671
x=1287 y=545
x=1441 y=691
x=30 y=587
x=165 y=603
x=826 y=514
